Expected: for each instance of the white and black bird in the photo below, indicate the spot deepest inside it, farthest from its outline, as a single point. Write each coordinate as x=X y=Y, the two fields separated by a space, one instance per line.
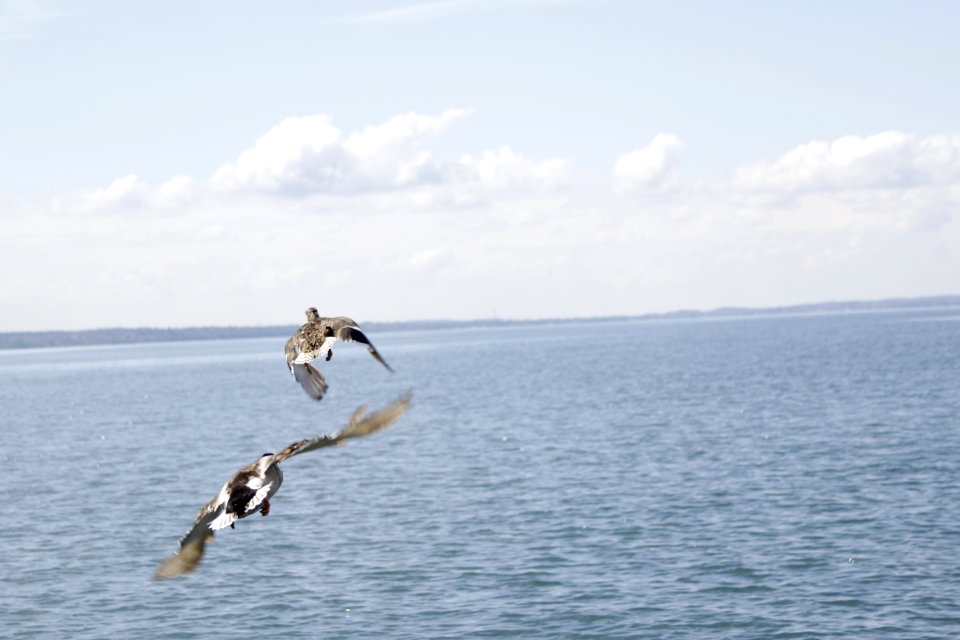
x=250 y=489
x=314 y=340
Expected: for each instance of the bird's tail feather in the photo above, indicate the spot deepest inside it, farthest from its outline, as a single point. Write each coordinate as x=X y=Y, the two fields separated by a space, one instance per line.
x=311 y=380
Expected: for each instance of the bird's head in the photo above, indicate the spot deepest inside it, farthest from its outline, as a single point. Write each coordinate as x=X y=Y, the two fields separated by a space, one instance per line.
x=312 y=314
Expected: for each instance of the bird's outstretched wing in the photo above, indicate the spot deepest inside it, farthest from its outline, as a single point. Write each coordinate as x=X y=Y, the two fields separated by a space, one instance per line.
x=354 y=333
x=291 y=351
x=192 y=545
x=358 y=426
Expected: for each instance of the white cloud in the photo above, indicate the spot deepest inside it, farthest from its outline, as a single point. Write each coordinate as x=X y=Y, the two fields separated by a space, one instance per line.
x=505 y=170
x=176 y=192
x=310 y=155
x=306 y=156
x=429 y=259
x=393 y=232
x=299 y=153
x=126 y=192
x=308 y=159
x=129 y=193
x=649 y=167
x=399 y=132
x=889 y=160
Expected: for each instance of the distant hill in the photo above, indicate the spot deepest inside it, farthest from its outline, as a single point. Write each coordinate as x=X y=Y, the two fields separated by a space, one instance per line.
x=38 y=339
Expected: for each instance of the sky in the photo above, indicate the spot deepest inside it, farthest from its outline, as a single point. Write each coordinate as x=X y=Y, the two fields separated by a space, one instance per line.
x=233 y=163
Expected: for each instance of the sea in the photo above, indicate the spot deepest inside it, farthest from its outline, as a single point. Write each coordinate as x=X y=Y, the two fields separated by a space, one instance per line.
x=752 y=477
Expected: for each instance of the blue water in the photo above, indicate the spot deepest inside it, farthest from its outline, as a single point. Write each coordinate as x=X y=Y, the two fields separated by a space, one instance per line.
x=744 y=478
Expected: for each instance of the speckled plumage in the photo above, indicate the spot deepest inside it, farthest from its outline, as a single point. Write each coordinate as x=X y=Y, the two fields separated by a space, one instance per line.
x=248 y=491
x=315 y=339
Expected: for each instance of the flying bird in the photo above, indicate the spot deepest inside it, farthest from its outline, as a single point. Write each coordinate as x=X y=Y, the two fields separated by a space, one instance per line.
x=315 y=339
x=250 y=489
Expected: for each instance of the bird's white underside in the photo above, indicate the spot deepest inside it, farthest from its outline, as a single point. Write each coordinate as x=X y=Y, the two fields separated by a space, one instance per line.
x=225 y=519
x=320 y=352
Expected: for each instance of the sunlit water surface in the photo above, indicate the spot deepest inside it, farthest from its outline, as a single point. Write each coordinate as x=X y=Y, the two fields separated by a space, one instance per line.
x=744 y=478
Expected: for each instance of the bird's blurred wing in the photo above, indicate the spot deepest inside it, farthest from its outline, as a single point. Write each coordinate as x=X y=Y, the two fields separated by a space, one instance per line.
x=192 y=545
x=359 y=425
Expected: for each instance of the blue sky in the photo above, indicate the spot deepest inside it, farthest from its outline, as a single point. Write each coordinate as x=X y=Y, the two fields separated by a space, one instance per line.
x=178 y=164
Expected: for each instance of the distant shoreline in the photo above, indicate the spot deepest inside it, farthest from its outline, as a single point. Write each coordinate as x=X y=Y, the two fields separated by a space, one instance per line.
x=91 y=337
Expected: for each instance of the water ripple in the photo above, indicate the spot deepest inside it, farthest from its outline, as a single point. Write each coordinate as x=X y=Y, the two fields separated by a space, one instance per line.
x=767 y=478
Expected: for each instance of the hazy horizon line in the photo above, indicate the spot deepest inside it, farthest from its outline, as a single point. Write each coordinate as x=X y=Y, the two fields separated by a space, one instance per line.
x=940 y=300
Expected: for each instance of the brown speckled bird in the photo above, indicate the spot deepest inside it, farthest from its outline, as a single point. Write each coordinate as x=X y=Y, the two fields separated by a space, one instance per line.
x=315 y=339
